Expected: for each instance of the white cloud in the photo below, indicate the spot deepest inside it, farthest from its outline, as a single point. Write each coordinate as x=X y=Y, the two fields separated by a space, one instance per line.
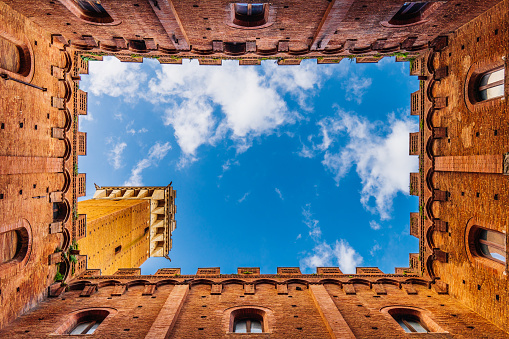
x=143 y=130
x=115 y=154
x=374 y=225
x=278 y=191
x=205 y=105
x=88 y=117
x=376 y=247
x=114 y=78
x=156 y=153
x=229 y=163
x=298 y=236
x=355 y=87
x=314 y=230
x=381 y=162
x=193 y=123
x=338 y=254
x=243 y=197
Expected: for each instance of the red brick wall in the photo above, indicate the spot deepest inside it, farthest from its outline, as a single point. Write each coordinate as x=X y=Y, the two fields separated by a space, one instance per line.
x=468 y=165
x=313 y=307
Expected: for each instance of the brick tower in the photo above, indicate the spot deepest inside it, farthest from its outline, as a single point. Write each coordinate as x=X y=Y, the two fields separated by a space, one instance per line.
x=124 y=226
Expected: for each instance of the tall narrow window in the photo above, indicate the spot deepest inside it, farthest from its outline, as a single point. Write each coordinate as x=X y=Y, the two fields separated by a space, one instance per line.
x=410 y=323
x=250 y=15
x=491 y=245
x=409 y=13
x=491 y=84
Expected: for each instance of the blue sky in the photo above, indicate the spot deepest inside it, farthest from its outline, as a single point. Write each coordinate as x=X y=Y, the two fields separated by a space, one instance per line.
x=273 y=165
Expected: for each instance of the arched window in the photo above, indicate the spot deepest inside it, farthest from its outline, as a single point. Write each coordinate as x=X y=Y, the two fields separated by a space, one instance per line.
x=10 y=246
x=248 y=325
x=86 y=327
x=250 y=15
x=490 y=244
x=410 y=323
x=490 y=84
x=412 y=319
x=15 y=57
x=409 y=13
x=89 y=10
x=248 y=320
x=84 y=321
x=13 y=245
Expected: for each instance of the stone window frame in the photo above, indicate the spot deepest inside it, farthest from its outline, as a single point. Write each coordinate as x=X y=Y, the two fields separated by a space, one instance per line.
x=425 y=15
x=232 y=314
x=270 y=16
x=75 y=317
x=475 y=72
x=424 y=317
x=82 y=16
x=472 y=251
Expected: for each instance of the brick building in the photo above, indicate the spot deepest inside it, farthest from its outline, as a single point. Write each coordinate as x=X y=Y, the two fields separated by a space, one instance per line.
x=456 y=286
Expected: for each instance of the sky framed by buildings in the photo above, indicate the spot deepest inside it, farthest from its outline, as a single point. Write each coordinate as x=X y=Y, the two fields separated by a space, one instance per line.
x=273 y=165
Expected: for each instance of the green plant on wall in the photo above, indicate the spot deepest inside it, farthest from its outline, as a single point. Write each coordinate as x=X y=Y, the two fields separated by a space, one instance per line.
x=72 y=258
x=58 y=277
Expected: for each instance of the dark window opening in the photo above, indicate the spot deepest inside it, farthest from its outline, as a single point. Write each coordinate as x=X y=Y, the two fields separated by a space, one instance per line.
x=138 y=45
x=118 y=249
x=93 y=11
x=235 y=47
x=409 y=13
x=60 y=211
x=250 y=15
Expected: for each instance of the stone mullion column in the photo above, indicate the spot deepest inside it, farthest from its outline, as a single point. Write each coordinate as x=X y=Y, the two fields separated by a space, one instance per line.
x=167 y=317
x=336 y=324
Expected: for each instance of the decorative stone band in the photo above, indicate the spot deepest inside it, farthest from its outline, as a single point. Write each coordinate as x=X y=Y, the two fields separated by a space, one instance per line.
x=473 y=164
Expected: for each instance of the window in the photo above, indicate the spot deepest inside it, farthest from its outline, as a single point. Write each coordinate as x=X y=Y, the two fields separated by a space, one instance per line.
x=490 y=244
x=89 y=10
x=250 y=15
x=491 y=84
x=15 y=57
x=249 y=325
x=409 y=13
x=10 y=245
x=248 y=320
x=412 y=319
x=118 y=249
x=410 y=323
x=93 y=10
x=86 y=327
x=85 y=321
